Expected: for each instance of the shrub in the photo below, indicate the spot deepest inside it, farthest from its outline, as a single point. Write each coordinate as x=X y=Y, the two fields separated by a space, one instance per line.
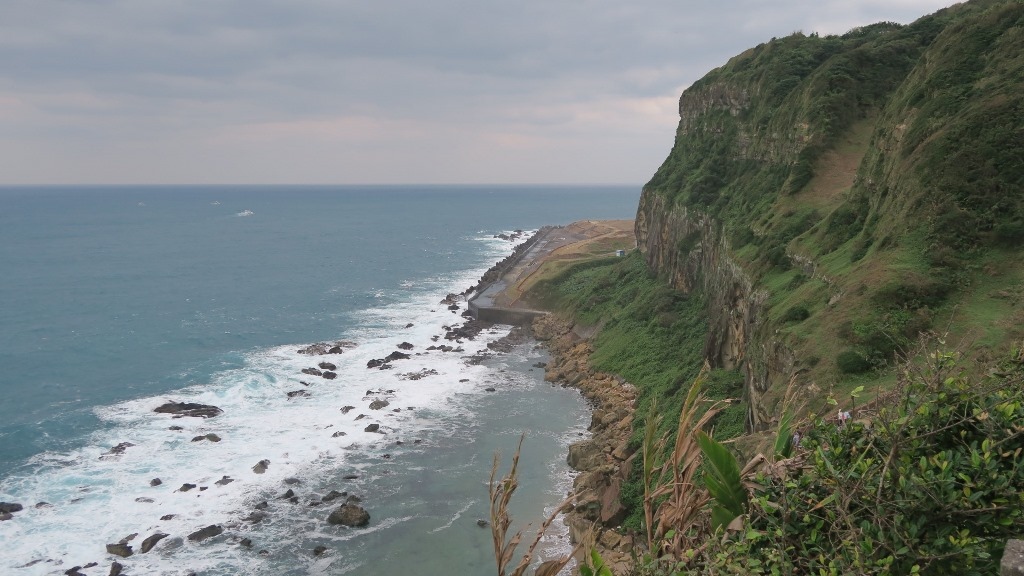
x=796 y=314
x=850 y=362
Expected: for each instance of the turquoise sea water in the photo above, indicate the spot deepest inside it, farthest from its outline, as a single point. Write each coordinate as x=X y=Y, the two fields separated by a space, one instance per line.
x=114 y=300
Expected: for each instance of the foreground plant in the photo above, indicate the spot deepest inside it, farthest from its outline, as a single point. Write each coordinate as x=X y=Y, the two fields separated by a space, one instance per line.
x=500 y=492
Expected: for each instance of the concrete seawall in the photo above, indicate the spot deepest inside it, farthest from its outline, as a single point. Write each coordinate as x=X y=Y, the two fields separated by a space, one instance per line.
x=482 y=305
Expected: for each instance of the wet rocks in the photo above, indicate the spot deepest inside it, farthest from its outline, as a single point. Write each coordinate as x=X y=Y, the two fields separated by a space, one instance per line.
x=156 y=482
x=330 y=375
x=204 y=533
x=298 y=394
x=327 y=366
x=312 y=372
x=349 y=514
x=372 y=428
x=10 y=507
x=375 y=363
x=120 y=549
x=333 y=495
x=405 y=346
x=347 y=409
x=183 y=409
x=115 y=569
x=148 y=543
x=119 y=449
x=224 y=481
x=396 y=355
x=418 y=375
x=378 y=404
x=321 y=348
x=261 y=466
x=186 y=487
x=210 y=437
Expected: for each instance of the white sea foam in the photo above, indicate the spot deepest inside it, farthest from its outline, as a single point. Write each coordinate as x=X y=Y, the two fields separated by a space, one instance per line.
x=94 y=498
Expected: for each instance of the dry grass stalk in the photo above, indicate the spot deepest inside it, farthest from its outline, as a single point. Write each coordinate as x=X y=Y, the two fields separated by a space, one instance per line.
x=504 y=546
x=685 y=504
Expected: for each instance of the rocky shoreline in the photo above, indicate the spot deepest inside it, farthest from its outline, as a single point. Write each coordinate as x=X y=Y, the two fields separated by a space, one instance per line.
x=604 y=459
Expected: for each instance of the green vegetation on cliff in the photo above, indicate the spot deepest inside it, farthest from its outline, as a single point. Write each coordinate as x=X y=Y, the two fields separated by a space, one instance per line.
x=871 y=184
x=829 y=202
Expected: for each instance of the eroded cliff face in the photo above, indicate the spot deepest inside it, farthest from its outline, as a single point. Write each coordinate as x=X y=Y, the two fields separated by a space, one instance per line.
x=688 y=248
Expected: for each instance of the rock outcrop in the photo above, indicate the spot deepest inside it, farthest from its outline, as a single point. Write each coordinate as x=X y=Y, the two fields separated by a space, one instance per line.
x=603 y=460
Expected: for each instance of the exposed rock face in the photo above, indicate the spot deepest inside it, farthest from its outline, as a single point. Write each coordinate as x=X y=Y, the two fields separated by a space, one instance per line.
x=349 y=514
x=181 y=409
x=261 y=466
x=8 y=507
x=148 y=543
x=204 y=533
x=120 y=549
x=736 y=337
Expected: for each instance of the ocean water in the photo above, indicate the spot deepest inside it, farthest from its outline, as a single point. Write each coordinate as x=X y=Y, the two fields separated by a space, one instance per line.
x=116 y=300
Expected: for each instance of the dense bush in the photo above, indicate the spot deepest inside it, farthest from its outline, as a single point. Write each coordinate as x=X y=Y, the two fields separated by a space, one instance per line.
x=850 y=362
x=796 y=313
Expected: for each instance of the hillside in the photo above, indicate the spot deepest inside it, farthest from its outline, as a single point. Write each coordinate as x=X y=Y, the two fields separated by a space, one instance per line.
x=836 y=196
x=829 y=203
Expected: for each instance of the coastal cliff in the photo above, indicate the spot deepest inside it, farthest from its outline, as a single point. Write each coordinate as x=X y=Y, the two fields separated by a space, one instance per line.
x=839 y=195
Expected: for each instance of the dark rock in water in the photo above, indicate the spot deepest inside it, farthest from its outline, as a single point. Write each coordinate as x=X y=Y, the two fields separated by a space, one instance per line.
x=319 y=550
x=361 y=416
x=483 y=523
x=294 y=499
x=345 y=409
x=349 y=515
x=330 y=375
x=43 y=505
x=350 y=477
x=541 y=365
x=175 y=428
x=333 y=495
x=255 y=517
x=453 y=307
x=189 y=409
x=312 y=372
x=396 y=355
x=291 y=481
x=375 y=363
x=298 y=394
x=386 y=456
x=166 y=517
x=261 y=466
x=335 y=350
x=10 y=507
x=202 y=488
x=378 y=404
x=245 y=542
x=74 y=570
x=186 y=487
x=211 y=437
x=156 y=482
x=337 y=434
x=289 y=494
x=119 y=449
x=204 y=533
x=406 y=346
x=115 y=569
x=372 y=428
x=353 y=499
x=6 y=516
x=224 y=481
x=148 y=543
x=144 y=500
x=409 y=325
x=119 y=549
x=262 y=505
x=327 y=366
x=315 y=349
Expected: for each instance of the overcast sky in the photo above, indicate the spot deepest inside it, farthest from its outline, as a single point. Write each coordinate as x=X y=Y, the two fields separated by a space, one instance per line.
x=375 y=91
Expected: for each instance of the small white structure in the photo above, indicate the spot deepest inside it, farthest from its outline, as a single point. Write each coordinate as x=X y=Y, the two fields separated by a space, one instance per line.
x=620 y=253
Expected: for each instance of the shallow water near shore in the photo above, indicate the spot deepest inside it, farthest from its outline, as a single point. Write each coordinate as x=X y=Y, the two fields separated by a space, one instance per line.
x=121 y=299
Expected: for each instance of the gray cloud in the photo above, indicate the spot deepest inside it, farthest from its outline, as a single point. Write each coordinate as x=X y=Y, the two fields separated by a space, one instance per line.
x=343 y=91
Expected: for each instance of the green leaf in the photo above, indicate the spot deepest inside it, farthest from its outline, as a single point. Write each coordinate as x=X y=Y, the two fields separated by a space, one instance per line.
x=722 y=478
